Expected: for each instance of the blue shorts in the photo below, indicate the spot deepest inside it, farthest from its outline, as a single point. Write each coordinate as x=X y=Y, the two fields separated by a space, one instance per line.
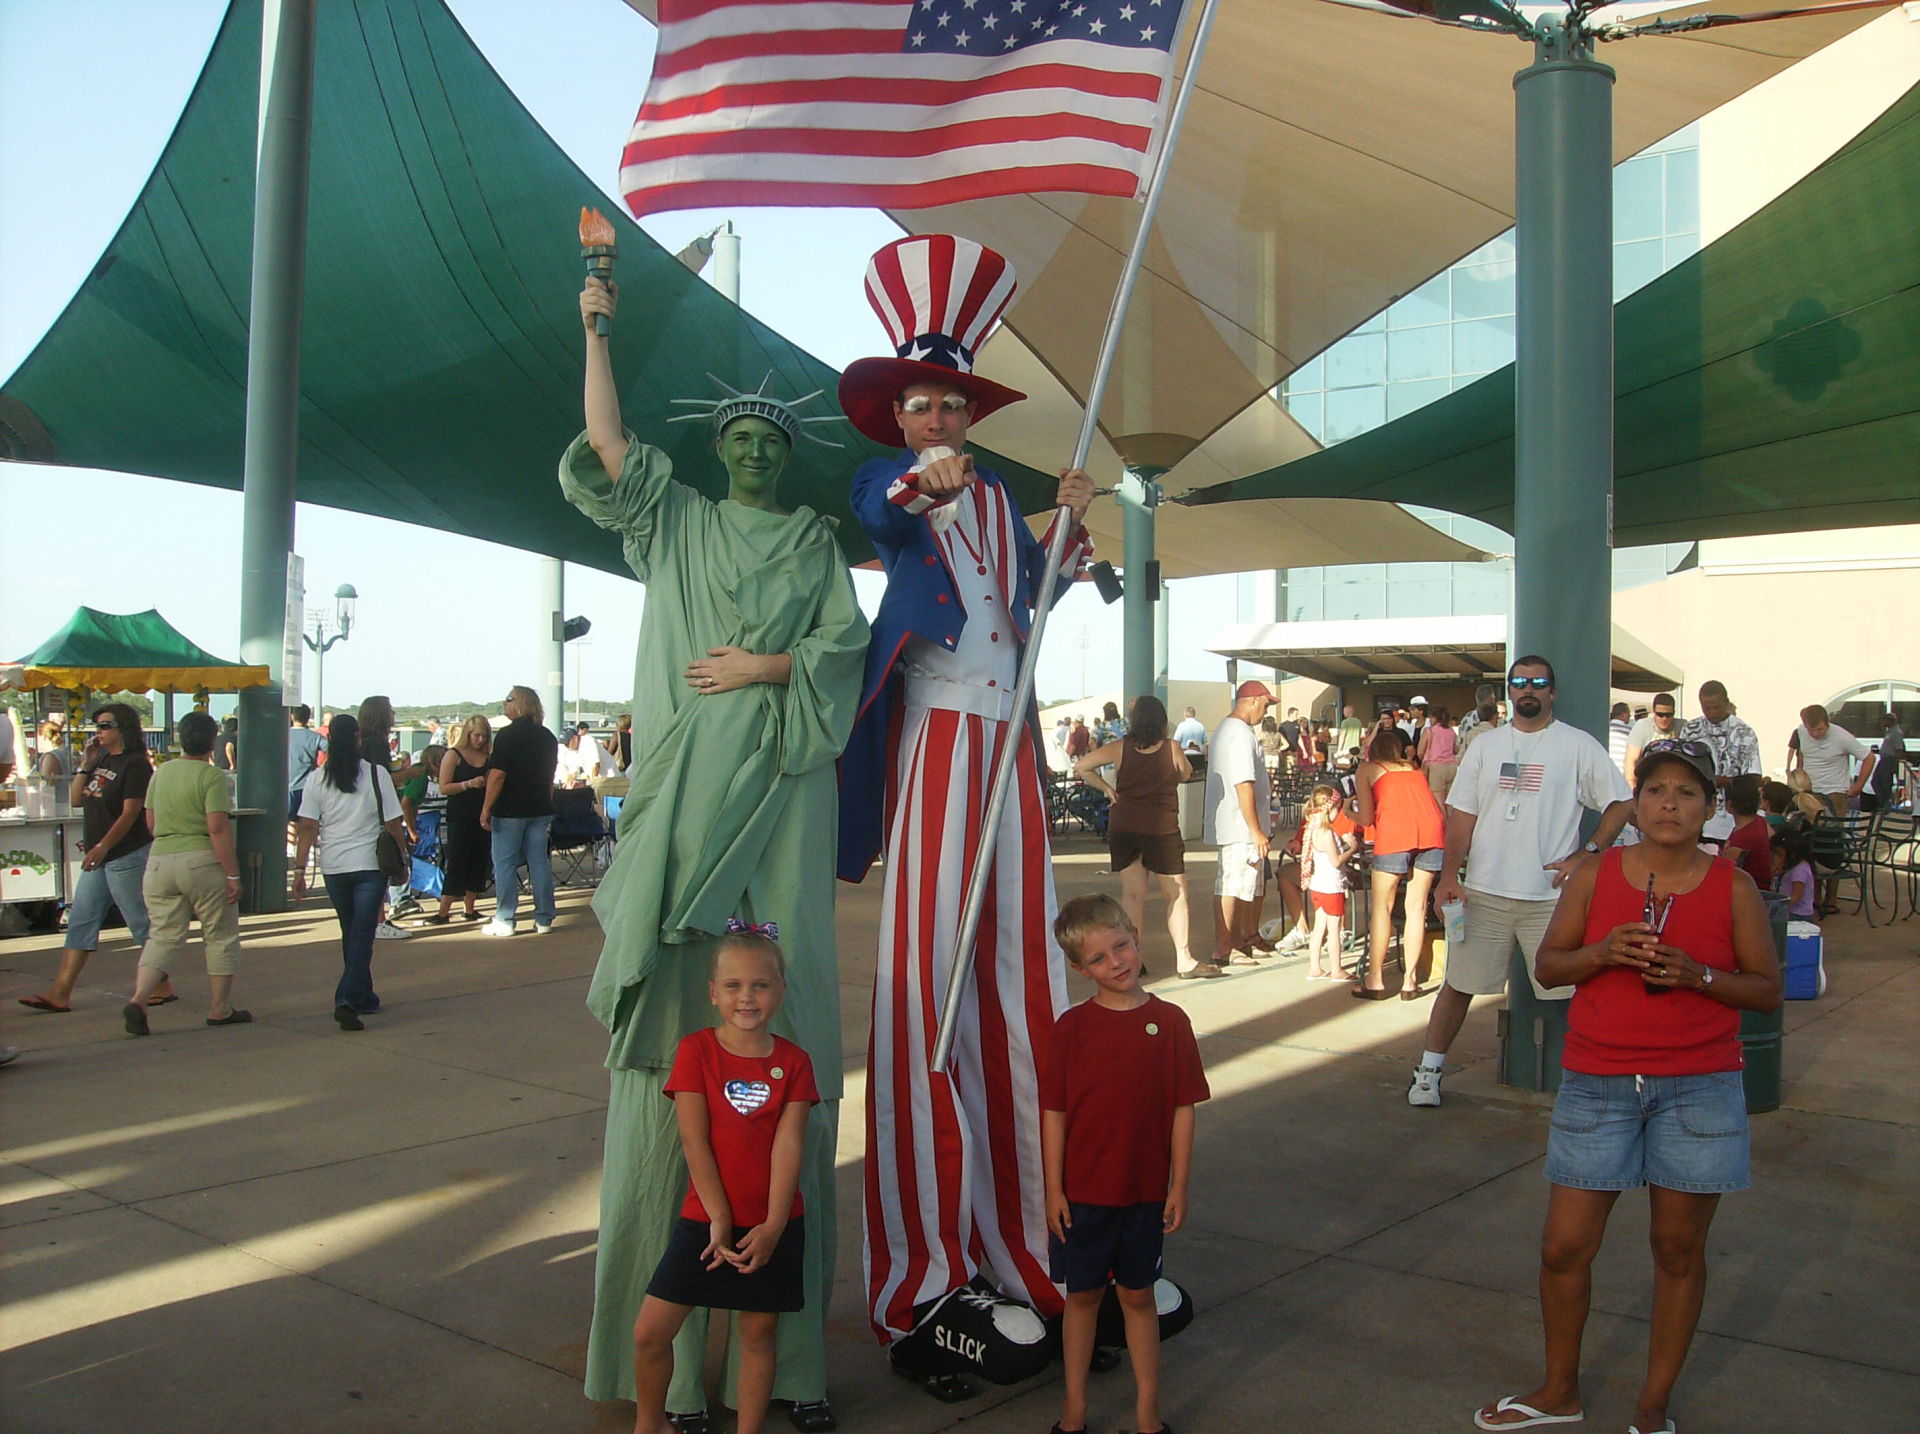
x=1399 y=863
x=1686 y=1133
x=1109 y=1243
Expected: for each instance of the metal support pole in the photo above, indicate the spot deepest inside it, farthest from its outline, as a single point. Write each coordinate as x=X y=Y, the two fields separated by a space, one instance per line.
x=1563 y=371
x=1162 y=624
x=553 y=650
x=273 y=431
x=1563 y=426
x=726 y=262
x=1139 y=495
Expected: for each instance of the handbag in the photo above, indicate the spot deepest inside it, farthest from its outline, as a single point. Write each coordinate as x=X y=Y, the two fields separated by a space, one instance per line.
x=394 y=863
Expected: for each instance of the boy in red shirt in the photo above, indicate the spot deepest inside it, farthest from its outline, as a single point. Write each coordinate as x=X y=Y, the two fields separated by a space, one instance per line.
x=741 y=1095
x=1748 y=843
x=1122 y=1077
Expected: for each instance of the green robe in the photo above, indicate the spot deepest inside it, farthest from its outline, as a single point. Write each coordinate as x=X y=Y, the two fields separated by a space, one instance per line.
x=732 y=812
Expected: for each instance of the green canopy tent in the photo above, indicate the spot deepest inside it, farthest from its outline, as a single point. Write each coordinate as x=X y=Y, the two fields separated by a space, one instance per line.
x=1770 y=383
x=441 y=357
x=127 y=652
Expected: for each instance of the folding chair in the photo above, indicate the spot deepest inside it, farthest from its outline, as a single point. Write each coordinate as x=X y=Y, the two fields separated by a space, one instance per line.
x=1840 y=854
x=578 y=840
x=1894 y=848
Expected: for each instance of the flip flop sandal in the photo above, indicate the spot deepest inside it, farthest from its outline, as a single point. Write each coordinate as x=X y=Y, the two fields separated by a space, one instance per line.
x=135 y=1016
x=41 y=1003
x=1105 y=1359
x=947 y=1388
x=161 y=1000
x=235 y=1017
x=694 y=1423
x=1666 y=1428
x=1530 y=1417
x=473 y=916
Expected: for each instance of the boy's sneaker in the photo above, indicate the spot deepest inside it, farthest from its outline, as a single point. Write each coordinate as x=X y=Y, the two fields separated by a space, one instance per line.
x=387 y=931
x=1425 y=1089
x=541 y=928
x=497 y=927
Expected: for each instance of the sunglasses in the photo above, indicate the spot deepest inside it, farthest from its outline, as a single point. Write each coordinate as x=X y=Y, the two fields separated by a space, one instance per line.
x=105 y=724
x=1538 y=683
x=922 y=403
x=1690 y=747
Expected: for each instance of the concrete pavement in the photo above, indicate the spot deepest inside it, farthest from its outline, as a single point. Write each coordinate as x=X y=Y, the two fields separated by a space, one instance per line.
x=283 y=1227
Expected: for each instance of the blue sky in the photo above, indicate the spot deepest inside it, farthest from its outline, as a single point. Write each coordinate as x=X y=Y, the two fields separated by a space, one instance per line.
x=98 y=85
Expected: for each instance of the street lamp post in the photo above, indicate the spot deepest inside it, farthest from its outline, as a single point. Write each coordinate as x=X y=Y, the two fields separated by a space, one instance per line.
x=318 y=642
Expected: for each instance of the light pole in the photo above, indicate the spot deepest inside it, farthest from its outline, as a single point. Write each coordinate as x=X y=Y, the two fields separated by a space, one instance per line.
x=318 y=642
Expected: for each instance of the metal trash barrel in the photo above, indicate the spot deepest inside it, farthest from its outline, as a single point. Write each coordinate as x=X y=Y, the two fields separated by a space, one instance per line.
x=1763 y=1033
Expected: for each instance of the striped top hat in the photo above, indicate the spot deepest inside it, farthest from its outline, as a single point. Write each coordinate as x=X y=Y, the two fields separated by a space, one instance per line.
x=938 y=296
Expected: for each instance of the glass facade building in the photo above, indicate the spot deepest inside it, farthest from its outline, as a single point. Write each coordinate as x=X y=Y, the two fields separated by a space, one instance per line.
x=1446 y=334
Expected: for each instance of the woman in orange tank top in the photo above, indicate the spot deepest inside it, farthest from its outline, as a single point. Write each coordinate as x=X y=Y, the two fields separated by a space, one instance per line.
x=1409 y=838
x=1665 y=946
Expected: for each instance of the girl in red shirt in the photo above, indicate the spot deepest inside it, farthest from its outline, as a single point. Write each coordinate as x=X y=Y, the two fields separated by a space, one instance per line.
x=741 y=1096
x=1665 y=946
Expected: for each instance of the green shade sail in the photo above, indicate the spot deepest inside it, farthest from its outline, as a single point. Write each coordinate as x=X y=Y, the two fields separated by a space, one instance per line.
x=1768 y=384
x=441 y=357
x=129 y=652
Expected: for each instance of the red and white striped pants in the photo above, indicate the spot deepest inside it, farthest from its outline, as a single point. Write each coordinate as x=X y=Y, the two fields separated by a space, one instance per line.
x=953 y=1177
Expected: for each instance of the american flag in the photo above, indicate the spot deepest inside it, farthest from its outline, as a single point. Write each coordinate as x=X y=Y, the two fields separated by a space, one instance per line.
x=898 y=104
x=1521 y=776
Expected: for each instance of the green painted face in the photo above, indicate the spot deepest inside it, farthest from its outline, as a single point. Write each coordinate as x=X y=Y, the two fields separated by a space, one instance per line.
x=755 y=451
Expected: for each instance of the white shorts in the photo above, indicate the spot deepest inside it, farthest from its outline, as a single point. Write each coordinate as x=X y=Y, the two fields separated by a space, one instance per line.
x=1495 y=925
x=1242 y=874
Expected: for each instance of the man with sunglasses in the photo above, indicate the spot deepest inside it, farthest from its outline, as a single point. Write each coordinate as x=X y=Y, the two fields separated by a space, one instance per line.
x=1660 y=724
x=1513 y=822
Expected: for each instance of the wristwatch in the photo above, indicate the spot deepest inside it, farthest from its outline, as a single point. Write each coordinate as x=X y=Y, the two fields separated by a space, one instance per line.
x=1591 y=848
x=1706 y=977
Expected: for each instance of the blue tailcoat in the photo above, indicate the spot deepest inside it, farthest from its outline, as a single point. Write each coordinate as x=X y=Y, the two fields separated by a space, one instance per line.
x=920 y=601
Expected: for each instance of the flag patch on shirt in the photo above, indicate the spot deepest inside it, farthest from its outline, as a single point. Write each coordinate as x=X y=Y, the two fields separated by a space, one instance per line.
x=1521 y=776
x=747 y=1096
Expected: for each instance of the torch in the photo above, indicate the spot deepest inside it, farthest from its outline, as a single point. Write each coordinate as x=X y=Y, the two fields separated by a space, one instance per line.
x=598 y=250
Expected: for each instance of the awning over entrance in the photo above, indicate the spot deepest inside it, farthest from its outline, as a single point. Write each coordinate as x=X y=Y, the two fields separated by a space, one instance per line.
x=1363 y=650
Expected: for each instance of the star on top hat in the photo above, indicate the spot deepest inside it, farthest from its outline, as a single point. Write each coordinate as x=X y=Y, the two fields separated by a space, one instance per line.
x=938 y=296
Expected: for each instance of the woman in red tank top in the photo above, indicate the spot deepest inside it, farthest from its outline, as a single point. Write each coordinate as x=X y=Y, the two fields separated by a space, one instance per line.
x=1392 y=798
x=1665 y=946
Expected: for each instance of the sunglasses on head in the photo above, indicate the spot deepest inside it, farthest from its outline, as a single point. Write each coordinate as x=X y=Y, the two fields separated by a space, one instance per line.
x=1540 y=683
x=1678 y=746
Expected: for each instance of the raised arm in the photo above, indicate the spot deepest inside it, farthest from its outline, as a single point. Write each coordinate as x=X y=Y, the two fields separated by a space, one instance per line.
x=604 y=431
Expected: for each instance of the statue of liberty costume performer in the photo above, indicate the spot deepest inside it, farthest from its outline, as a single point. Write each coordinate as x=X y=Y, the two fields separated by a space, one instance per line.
x=745 y=685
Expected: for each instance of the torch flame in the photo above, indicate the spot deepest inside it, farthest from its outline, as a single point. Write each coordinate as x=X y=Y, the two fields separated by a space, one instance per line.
x=595 y=229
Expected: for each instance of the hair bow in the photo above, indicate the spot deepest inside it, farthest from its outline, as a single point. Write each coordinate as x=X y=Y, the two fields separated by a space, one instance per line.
x=737 y=927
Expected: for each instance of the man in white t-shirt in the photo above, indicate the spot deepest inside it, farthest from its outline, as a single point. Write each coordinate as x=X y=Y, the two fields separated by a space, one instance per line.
x=1237 y=813
x=1513 y=818
x=1660 y=724
x=1827 y=751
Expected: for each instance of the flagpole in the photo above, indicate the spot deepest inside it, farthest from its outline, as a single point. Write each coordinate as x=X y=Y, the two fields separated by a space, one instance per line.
x=960 y=969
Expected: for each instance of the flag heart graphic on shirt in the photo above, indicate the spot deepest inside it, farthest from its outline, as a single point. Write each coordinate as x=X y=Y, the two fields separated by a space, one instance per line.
x=747 y=1096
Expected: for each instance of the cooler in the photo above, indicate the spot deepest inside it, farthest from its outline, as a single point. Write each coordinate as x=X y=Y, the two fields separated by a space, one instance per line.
x=1805 y=970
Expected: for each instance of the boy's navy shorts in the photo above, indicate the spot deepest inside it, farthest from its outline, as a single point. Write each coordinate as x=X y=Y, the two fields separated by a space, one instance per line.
x=1118 y=1243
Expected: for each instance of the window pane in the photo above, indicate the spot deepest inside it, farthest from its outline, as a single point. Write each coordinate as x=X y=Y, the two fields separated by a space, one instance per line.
x=1309 y=375
x=1432 y=597
x=1683 y=192
x=1427 y=304
x=1481 y=588
x=1482 y=345
x=1305 y=603
x=1681 y=246
x=1639 y=199
x=1635 y=265
x=1306 y=411
x=1404 y=398
x=1483 y=291
x=1352 y=411
x=1419 y=353
x=1494 y=251
x=1356 y=360
x=1351 y=600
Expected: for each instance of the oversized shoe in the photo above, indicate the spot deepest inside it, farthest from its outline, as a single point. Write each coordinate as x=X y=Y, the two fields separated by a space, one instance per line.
x=1174 y=1304
x=973 y=1332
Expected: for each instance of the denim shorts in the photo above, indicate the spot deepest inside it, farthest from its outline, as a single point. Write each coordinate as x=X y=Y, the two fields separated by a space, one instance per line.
x=1618 y=1132
x=1399 y=863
